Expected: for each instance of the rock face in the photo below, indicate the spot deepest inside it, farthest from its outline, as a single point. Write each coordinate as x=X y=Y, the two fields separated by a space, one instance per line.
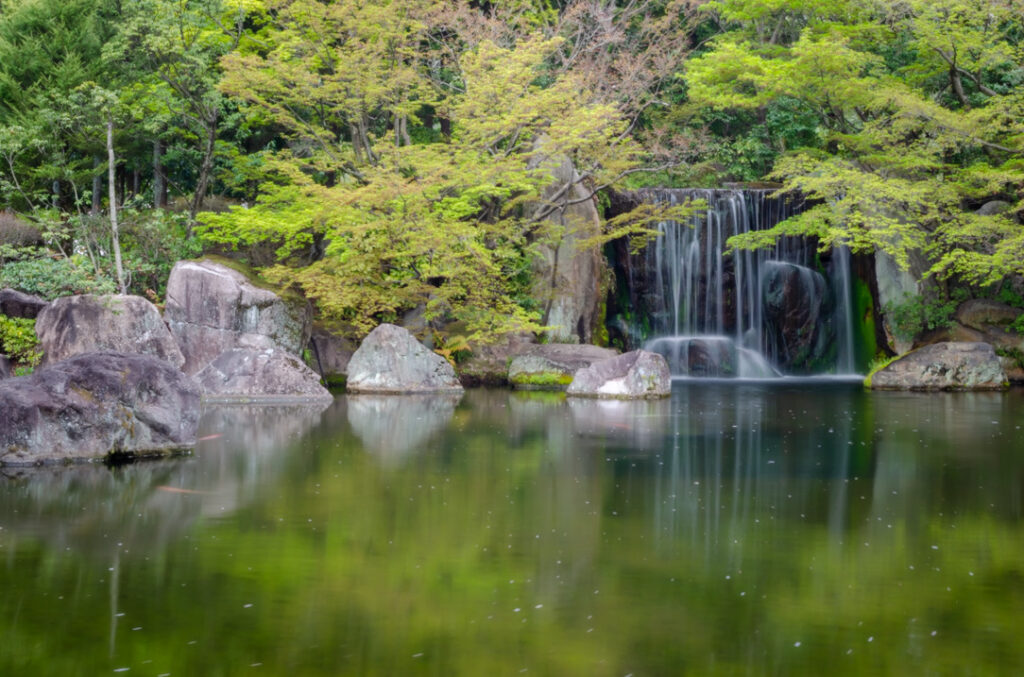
x=636 y=375
x=569 y=276
x=330 y=354
x=211 y=308
x=14 y=303
x=980 y=320
x=268 y=375
x=72 y=325
x=943 y=366
x=982 y=313
x=6 y=371
x=552 y=366
x=391 y=360
x=797 y=314
x=894 y=286
x=95 y=404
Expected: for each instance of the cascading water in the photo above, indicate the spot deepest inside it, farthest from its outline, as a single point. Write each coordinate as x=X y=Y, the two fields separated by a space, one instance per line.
x=747 y=314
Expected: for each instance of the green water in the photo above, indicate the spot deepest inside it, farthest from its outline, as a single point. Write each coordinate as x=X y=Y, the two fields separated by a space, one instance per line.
x=735 y=529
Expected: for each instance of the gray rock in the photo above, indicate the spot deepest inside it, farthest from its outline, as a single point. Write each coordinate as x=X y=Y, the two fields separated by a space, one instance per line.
x=391 y=360
x=636 y=375
x=72 y=325
x=212 y=308
x=943 y=366
x=552 y=366
x=268 y=375
x=330 y=354
x=797 y=314
x=994 y=207
x=6 y=369
x=14 y=303
x=97 y=404
x=980 y=313
x=569 y=273
x=1014 y=370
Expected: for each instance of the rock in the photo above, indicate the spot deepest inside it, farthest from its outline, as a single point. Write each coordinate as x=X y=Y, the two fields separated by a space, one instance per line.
x=569 y=275
x=797 y=314
x=14 y=303
x=980 y=313
x=635 y=375
x=994 y=207
x=488 y=364
x=268 y=375
x=943 y=366
x=330 y=355
x=6 y=369
x=552 y=366
x=212 y=308
x=72 y=325
x=391 y=360
x=895 y=286
x=1013 y=369
x=93 y=405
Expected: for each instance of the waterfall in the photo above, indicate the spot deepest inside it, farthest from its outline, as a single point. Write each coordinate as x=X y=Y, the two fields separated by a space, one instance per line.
x=782 y=310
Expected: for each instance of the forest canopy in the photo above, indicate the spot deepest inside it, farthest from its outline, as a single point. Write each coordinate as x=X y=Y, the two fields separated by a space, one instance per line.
x=386 y=155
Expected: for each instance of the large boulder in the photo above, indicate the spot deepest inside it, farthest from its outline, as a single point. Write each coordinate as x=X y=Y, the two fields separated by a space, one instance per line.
x=636 y=375
x=72 y=325
x=267 y=375
x=391 y=360
x=797 y=314
x=943 y=366
x=330 y=354
x=14 y=303
x=211 y=308
x=981 y=314
x=552 y=366
x=97 y=404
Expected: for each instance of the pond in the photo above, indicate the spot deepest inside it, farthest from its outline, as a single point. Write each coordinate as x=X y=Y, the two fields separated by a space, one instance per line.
x=737 y=528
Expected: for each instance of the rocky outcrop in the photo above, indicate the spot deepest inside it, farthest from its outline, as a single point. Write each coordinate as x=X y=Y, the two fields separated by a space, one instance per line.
x=895 y=285
x=391 y=360
x=982 y=314
x=97 y=404
x=552 y=366
x=569 y=273
x=14 y=303
x=72 y=325
x=6 y=370
x=330 y=355
x=1013 y=368
x=212 y=308
x=797 y=314
x=980 y=321
x=636 y=375
x=943 y=366
x=268 y=375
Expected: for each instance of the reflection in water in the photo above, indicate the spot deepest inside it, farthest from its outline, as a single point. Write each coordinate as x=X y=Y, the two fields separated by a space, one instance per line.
x=733 y=529
x=393 y=426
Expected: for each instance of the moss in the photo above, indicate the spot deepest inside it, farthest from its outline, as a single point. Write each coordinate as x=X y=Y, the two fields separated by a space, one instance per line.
x=542 y=379
x=878 y=364
x=865 y=343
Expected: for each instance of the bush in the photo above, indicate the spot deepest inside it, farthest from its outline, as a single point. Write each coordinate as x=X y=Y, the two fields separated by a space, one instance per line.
x=52 y=277
x=18 y=340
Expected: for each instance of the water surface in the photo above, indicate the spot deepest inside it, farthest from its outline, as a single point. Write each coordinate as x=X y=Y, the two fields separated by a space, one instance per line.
x=760 y=528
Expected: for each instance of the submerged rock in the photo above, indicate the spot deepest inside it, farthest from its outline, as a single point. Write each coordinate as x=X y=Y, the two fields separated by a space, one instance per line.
x=552 y=366
x=212 y=308
x=391 y=360
x=97 y=404
x=269 y=375
x=73 y=325
x=943 y=366
x=14 y=303
x=635 y=375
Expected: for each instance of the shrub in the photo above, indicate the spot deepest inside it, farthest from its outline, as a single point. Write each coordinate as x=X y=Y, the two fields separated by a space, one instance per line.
x=52 y=277
x=18 y=340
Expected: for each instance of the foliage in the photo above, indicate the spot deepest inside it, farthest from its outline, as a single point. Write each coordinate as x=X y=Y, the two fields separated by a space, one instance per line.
x=918 y=313
x=50 y=277
x=18 y=340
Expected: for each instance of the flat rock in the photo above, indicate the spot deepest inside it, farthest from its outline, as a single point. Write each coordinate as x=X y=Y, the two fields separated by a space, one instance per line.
x=391 y=360
x=212 y=308
x=635 y=375
x=267 y=375
x=93 y=405
x=14 y=303
x=943 y=366
x=73 y=325
x=552 y=366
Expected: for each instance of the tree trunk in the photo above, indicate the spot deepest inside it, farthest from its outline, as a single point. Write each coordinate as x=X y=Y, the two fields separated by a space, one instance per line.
x=207 y=167
x=159 y=183
x=97 y=186
x=115 y=239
